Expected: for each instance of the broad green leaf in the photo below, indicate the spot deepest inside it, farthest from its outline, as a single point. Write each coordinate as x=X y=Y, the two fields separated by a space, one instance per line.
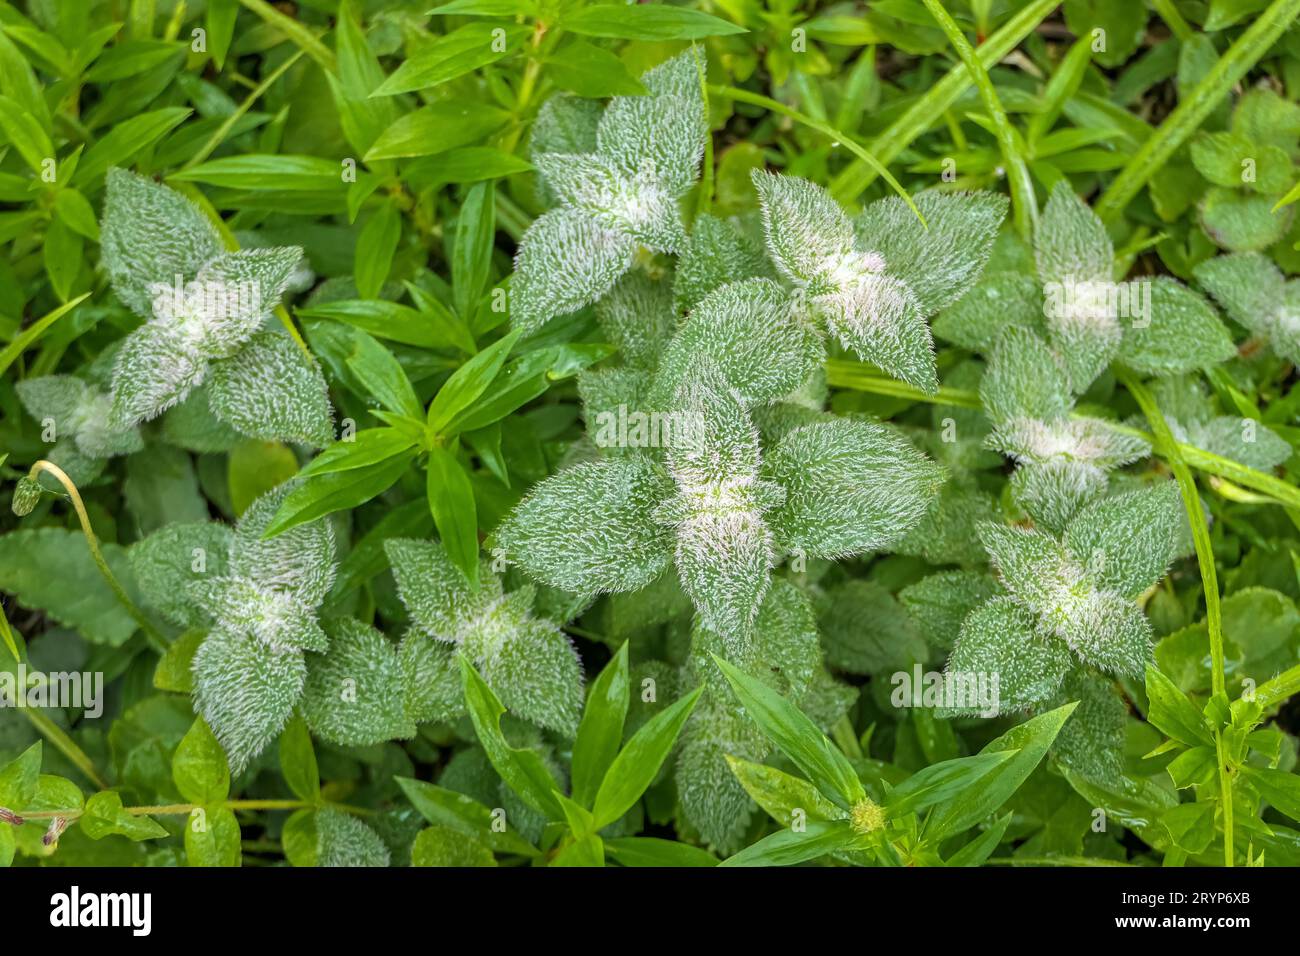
x=1030 y=741
x=522 y=770
x=796 y=735
x=653 y=851
x=601 y=731
x=451 y=501
x=448 y=808
x=199 y=766
x=791 y=847
x=651 y=21
x=298 y=761
x=638 y=763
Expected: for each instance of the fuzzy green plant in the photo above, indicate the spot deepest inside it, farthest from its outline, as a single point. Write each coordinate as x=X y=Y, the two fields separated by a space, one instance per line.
x=649 y=435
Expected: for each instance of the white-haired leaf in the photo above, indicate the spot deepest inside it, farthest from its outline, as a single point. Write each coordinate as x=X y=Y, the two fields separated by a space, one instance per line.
x=939 y=603
x=1070 y=243
x=1183 y=333
x=850 y=487
x=565 y=261
x=270 y=390
x=246 y=690
x=1247 y=285
x=943 y=258
x=273 y=617
x=431 y=678
x=1000 y=301
x=636 y=206
x=589 y=528
x=806 y=228
x=1108 y=631
x=764 y=348
x=999 y=638
x=716 y=253
x=537 y=675
x=299 y=561
x=436 y=592
x=1030 y=564
x=354 y=695
x=638 y=317
x=1023 y=380
x=343 y=840
x=169 y=560
x=156 y=367
x=151 y=234
x=1126 y=541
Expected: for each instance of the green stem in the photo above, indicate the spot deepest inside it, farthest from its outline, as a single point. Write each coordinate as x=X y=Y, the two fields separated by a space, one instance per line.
x=929 y=109
x=1024 y=204
x=66 y=745
x=298 y=34
x=757 y=99
x=1196 y=106
x=92 y=542
x=1174 y=20
x=1209 y=576
x=221 y=132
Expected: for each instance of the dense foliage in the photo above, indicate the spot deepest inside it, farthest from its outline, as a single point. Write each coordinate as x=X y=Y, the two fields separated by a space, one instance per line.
x=545 y=432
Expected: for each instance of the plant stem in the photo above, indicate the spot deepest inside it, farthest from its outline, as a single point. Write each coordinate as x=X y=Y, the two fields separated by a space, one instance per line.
x=150 y=633
x=1209 y=577
x=1024 y=203
x=1187 y=117
x=757 y=99
x=929 y=109
x=66 y=745
x=221 y=132
x=296 y=33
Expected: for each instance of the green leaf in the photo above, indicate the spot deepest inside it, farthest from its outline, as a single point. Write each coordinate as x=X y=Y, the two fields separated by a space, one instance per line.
x=435 y=129
x=451 y=501
x=19 y=777
x=651 y=21
x=1279 y=788
x=791 y=847
x=104 y=816
x=638 y=763
x=601 y=731
x=26 y=135
x=457 y=811
x=444 y=846
x=383 y=376
x=653 y=851
x=298 y=761
x=199 y=766
x=787 y=727
x=375 y=247
x=338 y=491
x=1030 y=741
x=51 y=570
x=591 y=71
x=212 y=838
x=125 y=141
x=1171 y=711
x=447 y=57
x=267 y=173
x=940 y=782
x=522 y=770
x=468 y=382
x=471 y=256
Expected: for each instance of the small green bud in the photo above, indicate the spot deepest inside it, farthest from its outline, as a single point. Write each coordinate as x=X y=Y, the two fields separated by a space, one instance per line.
x=26 y=494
